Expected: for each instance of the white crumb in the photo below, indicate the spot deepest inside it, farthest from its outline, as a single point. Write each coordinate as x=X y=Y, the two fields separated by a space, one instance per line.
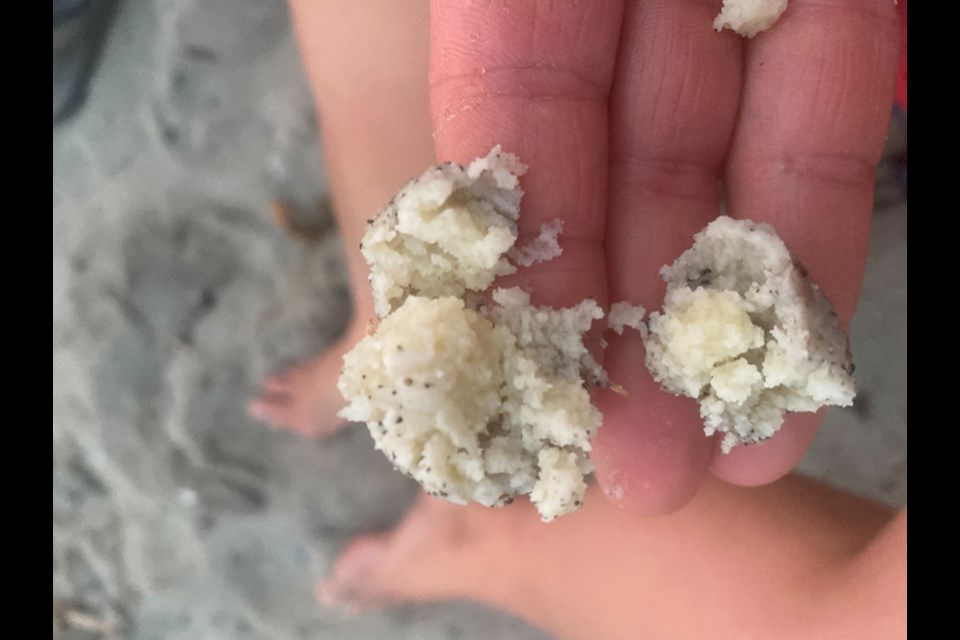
x=479 y=406
x=624 y=314
x=749 y=17
x=543 y=248
x=745 y=332
x=446 y=232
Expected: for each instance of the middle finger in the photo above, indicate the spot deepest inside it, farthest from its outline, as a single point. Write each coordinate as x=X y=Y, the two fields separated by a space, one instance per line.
x=672 y=110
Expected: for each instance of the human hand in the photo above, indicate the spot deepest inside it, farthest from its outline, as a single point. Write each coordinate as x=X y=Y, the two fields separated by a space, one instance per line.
x=629 y=114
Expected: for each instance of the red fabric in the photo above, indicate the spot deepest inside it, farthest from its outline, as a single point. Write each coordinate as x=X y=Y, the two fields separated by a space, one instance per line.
x=901 y=94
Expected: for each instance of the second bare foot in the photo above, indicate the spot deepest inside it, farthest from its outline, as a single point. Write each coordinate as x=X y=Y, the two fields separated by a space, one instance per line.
x=304 y=398
x=438 y=552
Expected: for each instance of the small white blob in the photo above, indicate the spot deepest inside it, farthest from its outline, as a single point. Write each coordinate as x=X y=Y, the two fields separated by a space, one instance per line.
x=543 y=248
x=749 y=17
x=624 y=314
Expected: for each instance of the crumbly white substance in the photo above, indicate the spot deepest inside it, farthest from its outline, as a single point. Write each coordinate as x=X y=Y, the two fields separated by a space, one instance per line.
x=483 y=400
x=745 y=332
x=446 y=232
x=624 y=314
x=749 y=17
x=482 y=405
x=543 y=248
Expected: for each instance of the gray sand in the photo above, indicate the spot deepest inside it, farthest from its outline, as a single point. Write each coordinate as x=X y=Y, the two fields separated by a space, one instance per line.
x=176 y=516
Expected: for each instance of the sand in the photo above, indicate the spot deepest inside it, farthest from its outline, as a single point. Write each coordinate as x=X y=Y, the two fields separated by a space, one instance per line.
x=176 y=516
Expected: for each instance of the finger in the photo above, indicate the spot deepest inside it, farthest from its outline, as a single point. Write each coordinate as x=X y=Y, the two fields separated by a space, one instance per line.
x=533 y=77
x=764 y=462
x=672 y=112
x=817 y=99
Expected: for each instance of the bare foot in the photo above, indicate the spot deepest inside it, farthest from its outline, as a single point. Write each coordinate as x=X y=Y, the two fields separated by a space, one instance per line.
x=435 y=553
x=304 y=398
x=604 y=572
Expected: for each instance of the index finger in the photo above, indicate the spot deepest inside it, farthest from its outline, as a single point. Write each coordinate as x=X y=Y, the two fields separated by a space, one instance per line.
x=534 y=77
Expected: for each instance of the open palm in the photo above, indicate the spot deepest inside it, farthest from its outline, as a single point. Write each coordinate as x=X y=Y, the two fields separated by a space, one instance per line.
x=630 y=115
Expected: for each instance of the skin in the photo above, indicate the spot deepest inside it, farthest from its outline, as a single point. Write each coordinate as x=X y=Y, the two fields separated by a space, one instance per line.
x=794 y=559
x=375 y=125
x=629 y=115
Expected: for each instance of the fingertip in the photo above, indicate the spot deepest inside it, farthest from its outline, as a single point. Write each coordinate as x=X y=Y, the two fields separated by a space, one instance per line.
x=770 y=460
x=629 y=488
x=651 y=455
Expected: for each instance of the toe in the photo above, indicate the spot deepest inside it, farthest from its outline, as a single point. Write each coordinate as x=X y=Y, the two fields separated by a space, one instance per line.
x=303 y=399
x=354 y=583
x=278 y=384
x=269 y=408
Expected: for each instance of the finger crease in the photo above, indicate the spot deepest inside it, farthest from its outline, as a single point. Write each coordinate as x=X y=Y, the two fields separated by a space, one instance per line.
x=532 y=82
x=837 y=169
x=685 y=178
